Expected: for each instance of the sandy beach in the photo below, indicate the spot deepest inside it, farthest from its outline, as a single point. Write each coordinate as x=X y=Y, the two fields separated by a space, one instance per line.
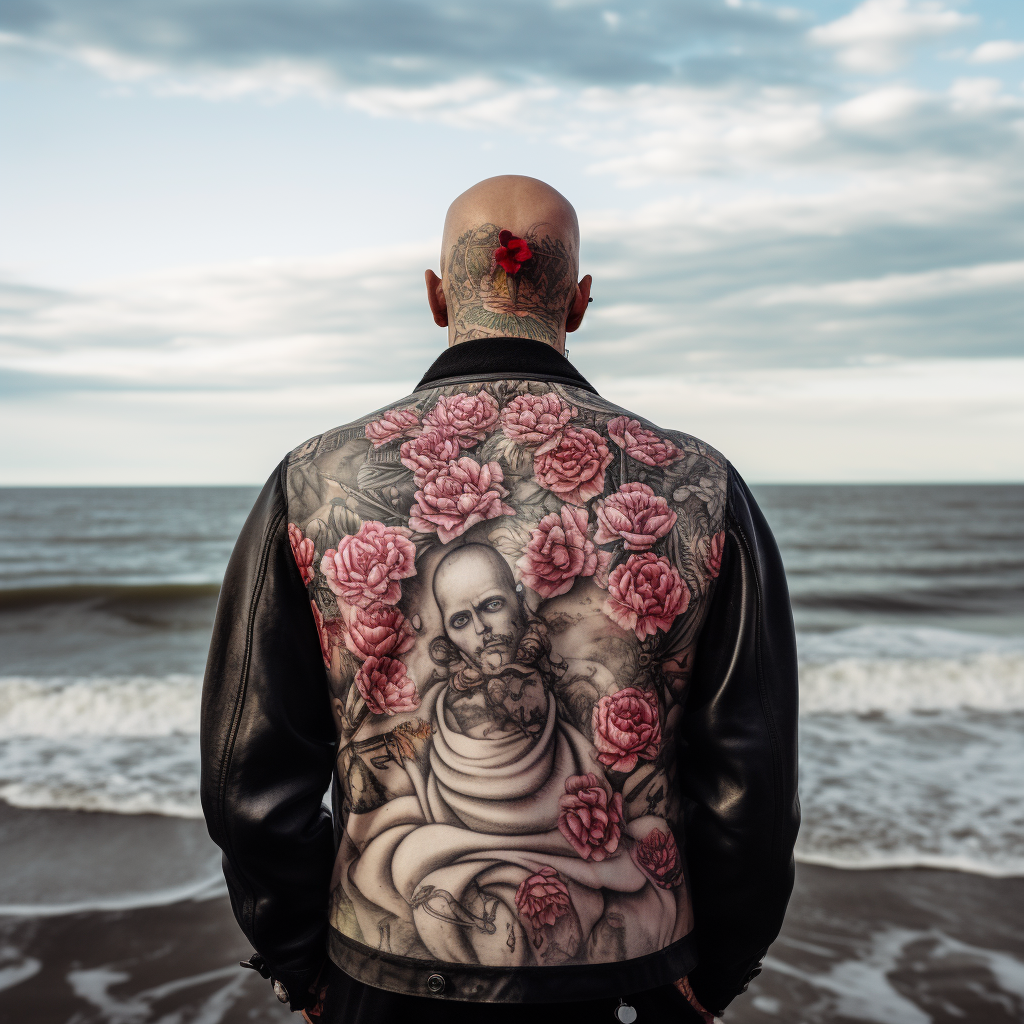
x=904 y=946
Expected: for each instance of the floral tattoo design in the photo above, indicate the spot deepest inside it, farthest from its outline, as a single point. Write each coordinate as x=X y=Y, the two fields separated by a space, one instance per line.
x=508 y=580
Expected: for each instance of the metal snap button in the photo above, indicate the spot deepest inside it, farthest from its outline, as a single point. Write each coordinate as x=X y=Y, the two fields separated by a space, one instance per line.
x=435 y=983
x=624 y=1013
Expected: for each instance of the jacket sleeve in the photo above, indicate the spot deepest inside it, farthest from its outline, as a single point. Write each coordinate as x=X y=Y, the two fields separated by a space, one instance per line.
x=267 y=747
x=738 y=759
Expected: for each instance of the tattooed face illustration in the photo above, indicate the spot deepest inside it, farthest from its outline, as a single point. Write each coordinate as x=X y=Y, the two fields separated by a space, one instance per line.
x=508 y=579
x=480 y=608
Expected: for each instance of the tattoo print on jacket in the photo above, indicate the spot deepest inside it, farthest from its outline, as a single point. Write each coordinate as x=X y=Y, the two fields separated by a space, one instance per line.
x=508 y=580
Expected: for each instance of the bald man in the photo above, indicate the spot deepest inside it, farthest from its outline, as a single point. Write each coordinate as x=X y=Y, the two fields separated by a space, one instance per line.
x=543 y=649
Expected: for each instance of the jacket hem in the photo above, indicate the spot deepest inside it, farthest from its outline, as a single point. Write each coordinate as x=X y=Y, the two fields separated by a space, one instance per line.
x=477 y=984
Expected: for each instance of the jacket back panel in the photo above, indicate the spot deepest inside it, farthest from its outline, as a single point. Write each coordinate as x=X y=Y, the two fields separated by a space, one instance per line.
x=509 y=579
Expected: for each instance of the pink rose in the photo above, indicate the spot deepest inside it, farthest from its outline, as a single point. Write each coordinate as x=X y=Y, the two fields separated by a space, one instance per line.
x=432 y=450
x=626 y=727
x=588 y=819
x=713 y=562
x=574 y=468
x=658 y=855
x=379 y=632
x=302 y=552
x=559 y=550
x=635 y=514
x=640 y=443
x=329 y=633
x=543 y=898
x=457 y=496
x=366 y=568
x=395 y=423
x=535 y=420
x=472 y=416
x=384 y=685
x=645 y=594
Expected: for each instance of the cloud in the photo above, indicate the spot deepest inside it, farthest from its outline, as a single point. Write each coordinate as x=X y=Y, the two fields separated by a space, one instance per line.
x=996 y=51
x=306 y=45
x=876 y=35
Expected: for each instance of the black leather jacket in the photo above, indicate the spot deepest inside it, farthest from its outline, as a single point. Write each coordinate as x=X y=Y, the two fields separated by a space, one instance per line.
x=668 y=850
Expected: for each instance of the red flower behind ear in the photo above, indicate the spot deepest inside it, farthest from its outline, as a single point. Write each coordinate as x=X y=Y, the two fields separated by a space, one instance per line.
x=512 y=253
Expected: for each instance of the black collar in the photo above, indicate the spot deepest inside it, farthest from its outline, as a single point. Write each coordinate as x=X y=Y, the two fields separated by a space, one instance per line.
x=502 y=359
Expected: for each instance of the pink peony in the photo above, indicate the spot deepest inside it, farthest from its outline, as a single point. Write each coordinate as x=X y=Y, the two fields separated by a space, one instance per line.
x=626 y=727
x=536 y=420
x=459 y=495
x=588 y=819
x=716 y=547
x=379 y=632
x=658 y=855
x=635 y=514
x=574 y=468
x=472 y=416
x=543 y=898
x=329 y=633
x=395 y=423
x=302 y=552
x=432 y=450
x=366 y=568
x=384 y=685
x=559 y=550
x=640 y=443
x=645 y=594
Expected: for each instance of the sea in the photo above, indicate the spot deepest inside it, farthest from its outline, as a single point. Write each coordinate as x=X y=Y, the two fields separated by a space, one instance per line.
x=909 y=608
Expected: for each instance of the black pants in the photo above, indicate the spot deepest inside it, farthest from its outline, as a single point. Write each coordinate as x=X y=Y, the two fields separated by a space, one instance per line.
x=350 y=1002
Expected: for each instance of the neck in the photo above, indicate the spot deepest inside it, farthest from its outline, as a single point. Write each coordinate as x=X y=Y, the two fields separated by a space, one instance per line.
x=456 y=337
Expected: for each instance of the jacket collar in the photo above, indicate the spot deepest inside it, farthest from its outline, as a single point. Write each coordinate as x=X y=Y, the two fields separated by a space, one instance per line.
x=502 y=359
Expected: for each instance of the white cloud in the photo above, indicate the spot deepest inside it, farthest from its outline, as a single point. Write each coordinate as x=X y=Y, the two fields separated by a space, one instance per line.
x=875 y=35
x=997 y=51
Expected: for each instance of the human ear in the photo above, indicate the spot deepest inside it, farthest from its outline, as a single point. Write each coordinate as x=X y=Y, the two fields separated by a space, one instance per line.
x=579 y=305
x=436 y=300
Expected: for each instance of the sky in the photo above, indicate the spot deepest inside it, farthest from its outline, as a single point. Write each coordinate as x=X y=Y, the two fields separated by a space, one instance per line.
x=805 y=222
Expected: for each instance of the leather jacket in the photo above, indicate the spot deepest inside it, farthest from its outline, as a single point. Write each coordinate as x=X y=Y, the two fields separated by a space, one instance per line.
x=544 y=651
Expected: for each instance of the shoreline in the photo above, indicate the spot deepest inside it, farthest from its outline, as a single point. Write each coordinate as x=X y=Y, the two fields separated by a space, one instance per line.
x=889 y=946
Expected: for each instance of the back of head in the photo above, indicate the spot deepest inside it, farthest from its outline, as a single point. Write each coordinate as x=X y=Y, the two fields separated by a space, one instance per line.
x=482 y=232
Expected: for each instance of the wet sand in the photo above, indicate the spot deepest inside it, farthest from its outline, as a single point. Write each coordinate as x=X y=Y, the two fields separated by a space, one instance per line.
x=893 y=947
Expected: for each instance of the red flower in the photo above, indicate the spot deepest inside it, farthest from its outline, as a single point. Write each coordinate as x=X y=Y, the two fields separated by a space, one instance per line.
x=716 y=547
x=329 y=633
x=472 y=416
x=640 y=443
x=536 y=420
x=588 y=819
x=302 y=552
x=658 y=855
x=384 y=685
x=559 y=550
x=379 y=632
x=645 y=594
x=574 y=468
x=543 y=898
x=457 y=496
x=511 y=253
x=626 y=727
x=635 y=514
x=395 y=423
x=366 y=568
x=432 y=450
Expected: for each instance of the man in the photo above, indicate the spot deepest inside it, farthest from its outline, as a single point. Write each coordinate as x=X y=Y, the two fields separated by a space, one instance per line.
x=545 y=649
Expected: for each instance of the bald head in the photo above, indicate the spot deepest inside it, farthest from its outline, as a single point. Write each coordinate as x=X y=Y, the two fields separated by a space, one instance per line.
x=518 y=204
x=475 y=297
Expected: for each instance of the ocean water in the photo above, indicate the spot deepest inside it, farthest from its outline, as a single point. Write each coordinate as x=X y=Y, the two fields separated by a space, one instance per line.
x=909 y=603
